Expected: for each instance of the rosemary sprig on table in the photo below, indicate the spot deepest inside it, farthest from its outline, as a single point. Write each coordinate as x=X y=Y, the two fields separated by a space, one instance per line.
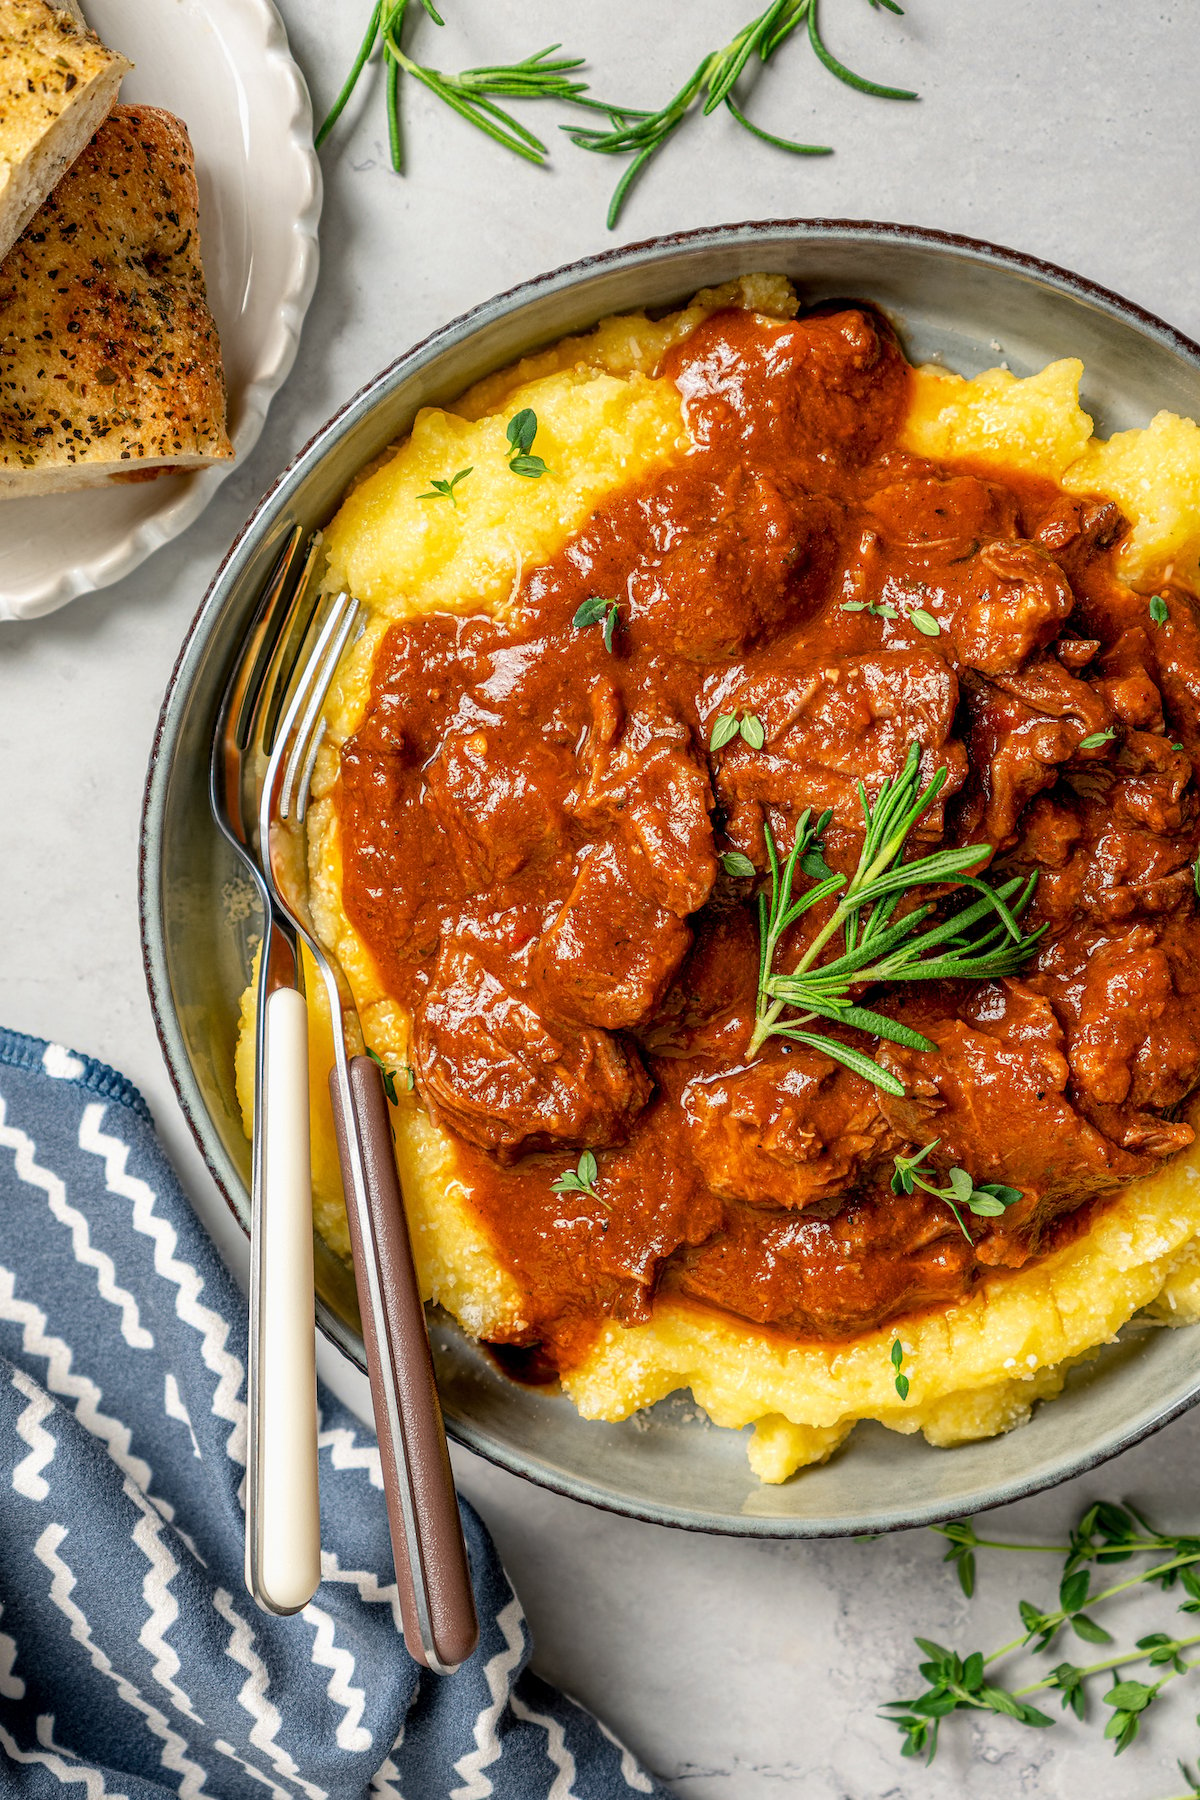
x=629 y=131
x=981 y=941
x=473 y=94
x=1105 y=1534
x=640 y=136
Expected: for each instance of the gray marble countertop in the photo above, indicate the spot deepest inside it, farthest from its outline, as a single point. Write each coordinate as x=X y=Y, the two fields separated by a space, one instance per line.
x=738 y=1670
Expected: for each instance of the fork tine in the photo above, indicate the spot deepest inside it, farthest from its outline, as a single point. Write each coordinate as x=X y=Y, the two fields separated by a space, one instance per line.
x=304 y=711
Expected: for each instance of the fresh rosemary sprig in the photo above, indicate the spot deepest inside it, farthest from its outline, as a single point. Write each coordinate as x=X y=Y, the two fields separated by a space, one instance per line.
x=987 y=1200
x=641 y=135
x=979 y=942
x=1106 y=1533
x=474 y=94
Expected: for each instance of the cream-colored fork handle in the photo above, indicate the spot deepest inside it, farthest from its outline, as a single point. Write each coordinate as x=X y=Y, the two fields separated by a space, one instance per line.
x=289 y=1518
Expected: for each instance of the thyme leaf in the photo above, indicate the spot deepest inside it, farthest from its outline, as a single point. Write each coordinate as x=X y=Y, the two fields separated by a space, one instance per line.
x=444 y=490
x=405 y=1072
x=1159 y=610
x=1105 y=1533
x=899 y=1380
x=520 y=432
x=598 y=612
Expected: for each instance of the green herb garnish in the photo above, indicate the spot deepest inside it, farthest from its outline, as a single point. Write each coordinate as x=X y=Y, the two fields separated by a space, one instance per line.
x=987 y=1199
x=444 y=490
x=1105 y=1534
x=641 y=135
x=595 y=611
x=580 y=1180
x=475 y=94
x=979 y=942
x=405 y=1072
x=734 y=863
x=925 y=622
x=728 y=726
x=1159 y=610
x=1096 y=738
x=900 y=1381
x=520 y=432
x=879 y=608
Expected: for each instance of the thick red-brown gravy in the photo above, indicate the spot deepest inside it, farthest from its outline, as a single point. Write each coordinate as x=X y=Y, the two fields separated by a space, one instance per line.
x=532 y=829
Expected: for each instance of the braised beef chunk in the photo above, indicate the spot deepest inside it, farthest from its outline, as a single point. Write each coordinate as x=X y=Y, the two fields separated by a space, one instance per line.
x=612 y=950
x=792 y=1129
x=827 y=725
x=557 y=871
x=1022 y=729
x=505 y=1079
x=752 y=564
x=995 y=1096
x=948 y=516
x=643 y=777
x=496 y=812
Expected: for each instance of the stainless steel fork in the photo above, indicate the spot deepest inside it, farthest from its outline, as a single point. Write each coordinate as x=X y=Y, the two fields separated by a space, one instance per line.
x=283 y=1542
x=436 y=1601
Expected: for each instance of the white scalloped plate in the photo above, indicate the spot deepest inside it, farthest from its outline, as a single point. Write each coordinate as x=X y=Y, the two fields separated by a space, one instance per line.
x=224 y=67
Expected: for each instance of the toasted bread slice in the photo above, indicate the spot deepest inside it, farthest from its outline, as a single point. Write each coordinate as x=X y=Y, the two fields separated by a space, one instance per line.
x=57 y=83
x=110 y=364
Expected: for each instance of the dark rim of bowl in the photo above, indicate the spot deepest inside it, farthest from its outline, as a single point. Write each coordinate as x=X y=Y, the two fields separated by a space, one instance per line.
x=507 y=301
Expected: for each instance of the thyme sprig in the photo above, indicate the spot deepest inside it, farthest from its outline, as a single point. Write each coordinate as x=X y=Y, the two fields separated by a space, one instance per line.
x=475 y=94
x=440 y=489
x=987 y=1200
x=581 y=1180
x=1106 y=1533
x=981 y=941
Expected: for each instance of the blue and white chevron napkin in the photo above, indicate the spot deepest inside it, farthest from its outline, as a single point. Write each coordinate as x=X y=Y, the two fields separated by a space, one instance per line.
x=132 y=1661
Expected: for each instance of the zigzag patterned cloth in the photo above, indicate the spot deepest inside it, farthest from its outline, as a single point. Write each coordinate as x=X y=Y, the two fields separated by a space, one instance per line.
x=132 y=1661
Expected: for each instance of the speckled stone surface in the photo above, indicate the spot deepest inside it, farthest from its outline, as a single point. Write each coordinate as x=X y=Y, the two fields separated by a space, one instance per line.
x=739 y=1671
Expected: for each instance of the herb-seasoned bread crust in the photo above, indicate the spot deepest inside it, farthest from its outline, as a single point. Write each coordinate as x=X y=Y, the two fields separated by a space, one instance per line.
x=57 y=83
x=110 y=364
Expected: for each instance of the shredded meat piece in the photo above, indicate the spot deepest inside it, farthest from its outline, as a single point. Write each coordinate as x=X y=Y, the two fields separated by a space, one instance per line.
x=610 y=954
x=508 y=1080
x=1022 y=729
x=1011 y=603
x=996 y=1096
x=829 y=725
x=643 y=776
x=791 y=1129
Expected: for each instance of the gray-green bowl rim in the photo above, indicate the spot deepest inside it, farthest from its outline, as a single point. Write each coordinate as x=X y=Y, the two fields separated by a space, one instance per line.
x=764 y=232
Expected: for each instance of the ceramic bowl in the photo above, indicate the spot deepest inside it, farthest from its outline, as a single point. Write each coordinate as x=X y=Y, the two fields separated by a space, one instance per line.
x=967 y=304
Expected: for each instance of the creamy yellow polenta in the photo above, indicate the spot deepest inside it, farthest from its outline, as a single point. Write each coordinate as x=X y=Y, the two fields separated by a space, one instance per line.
x=604 y=418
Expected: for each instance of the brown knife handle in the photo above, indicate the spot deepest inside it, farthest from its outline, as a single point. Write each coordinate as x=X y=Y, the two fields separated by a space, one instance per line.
x=437 y=1605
